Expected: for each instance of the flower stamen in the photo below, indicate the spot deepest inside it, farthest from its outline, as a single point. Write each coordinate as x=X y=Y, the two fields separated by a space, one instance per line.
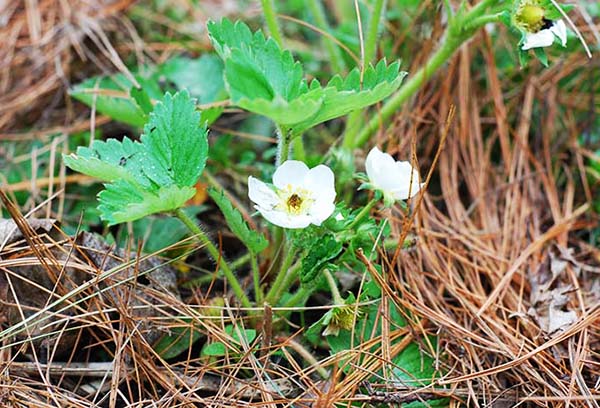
x=294 y=203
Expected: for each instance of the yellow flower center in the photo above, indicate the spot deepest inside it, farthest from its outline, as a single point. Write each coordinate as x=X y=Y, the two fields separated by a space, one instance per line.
x=294 y=201
x=529 y=16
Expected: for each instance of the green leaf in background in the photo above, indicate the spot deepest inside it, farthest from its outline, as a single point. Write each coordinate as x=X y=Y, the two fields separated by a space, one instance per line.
x=254 y=241
x=219 y=349
x=202 y=77
x=155 y=175
x=110 y=96
x=180 y=340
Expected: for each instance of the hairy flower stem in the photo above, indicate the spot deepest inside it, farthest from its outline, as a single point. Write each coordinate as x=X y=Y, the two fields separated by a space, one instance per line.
x=268 y=7
x=374 y=30
x=461 y=27
x=274 y=294
x=258 y=293
x=214 y=252
x=335 y=57
x=335 y=292
x=283 y=145
x=363 y=213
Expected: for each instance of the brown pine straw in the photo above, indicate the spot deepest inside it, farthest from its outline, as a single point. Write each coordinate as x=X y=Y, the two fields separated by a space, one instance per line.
x=43 y=42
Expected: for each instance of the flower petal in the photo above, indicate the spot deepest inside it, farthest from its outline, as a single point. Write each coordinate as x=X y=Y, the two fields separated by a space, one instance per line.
x=284 y=219
x=381 y=169
x=543 y=38
x=290 y=172
x=559 y=29
x=320 y=181
x=407 y=181
x=320 y=211
x=261 y=194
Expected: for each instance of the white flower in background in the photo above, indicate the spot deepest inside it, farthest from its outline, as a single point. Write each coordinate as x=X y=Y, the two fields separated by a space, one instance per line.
x=300 y=197
x=530 y=17
x=545 y=37
x=396 y=179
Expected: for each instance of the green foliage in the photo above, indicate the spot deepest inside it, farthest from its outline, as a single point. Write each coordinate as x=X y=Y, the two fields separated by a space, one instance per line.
x=218 y=349
x=178 y=341
x=100 y=92
x=117 y=97
x=254 y=241
x=264 y=79
x=413 y=366
x=323 y=249
x=155 y=175
x=202 y=77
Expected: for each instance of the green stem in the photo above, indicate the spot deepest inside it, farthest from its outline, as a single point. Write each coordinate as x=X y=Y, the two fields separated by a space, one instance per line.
x=258 y=293
x=283 y=145
x=273 y=294
x=214 y=252
x=460 y=29
x=268 y=7
x=373 y=33
x=298 y=148
x=299 y=297
x=337 y=298
x=363 y=213
x=485 y=19
x=335 y=57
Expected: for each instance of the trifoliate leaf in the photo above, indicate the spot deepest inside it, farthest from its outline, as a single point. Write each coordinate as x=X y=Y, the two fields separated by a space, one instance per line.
x=254 y=241
x=156 y=175
x=266 y=80
x=323 y=249
x=124 y=201
x=261 y=77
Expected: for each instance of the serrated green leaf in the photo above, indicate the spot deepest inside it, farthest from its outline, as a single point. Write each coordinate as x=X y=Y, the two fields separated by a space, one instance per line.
x=253 y=240
x=202 y=77
x=156 y=175
x=341 y=97
x=284 y=112
x=109 y=161
x=175 y=143
x=124 y=201
x=321 y=251
x=261 y=77
x=266 y=80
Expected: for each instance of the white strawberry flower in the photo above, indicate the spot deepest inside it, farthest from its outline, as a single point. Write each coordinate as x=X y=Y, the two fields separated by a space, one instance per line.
x=546 y=36
x=299 y=197
x=398 y=180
